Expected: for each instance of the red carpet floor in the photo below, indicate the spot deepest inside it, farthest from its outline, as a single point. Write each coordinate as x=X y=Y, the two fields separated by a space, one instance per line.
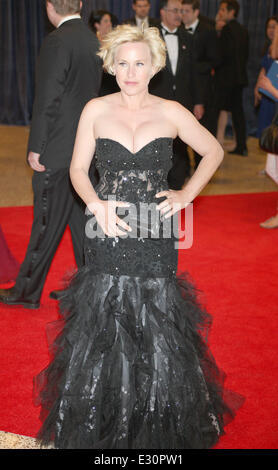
x=234 y=264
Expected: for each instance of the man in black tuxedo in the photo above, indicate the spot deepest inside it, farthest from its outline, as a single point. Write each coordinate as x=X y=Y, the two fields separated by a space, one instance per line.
x=141 y=9
x=206 y=56
x=178 y=81
x=232 y=74
x=68 y=76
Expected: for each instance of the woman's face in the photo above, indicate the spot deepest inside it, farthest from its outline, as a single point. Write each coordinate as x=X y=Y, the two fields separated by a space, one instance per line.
x=133 y=67
x=270 y=29
x=105 y=25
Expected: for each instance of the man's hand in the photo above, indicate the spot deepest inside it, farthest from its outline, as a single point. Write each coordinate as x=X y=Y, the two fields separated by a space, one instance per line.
x=33 y=160
x=199 y=111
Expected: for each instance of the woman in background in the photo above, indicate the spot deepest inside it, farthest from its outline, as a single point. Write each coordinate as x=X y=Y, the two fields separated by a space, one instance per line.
x=101 y=22
x=266 y=84
x=223 y=114
x=266 y=105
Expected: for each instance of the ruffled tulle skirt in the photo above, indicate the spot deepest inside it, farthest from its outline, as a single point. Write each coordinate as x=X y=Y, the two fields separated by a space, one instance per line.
x=131 y=368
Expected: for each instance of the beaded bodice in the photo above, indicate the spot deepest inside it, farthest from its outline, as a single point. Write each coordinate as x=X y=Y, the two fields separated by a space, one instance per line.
x=135 y=178
x=131 y=176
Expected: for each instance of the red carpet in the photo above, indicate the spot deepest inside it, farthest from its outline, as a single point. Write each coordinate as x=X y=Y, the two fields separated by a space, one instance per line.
x=234 y=264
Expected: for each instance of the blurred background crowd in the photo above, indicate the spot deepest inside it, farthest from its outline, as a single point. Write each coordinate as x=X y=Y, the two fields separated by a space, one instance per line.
x=24 y=25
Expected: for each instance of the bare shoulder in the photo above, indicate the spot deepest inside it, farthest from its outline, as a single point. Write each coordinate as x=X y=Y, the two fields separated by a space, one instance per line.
x=176 y=114
x=94 y=106
x=97 y=106
x=173 y=108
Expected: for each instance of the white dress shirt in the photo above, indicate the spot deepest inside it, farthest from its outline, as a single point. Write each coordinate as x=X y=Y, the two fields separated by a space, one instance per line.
x=172 y=44
x=139 y=22
x=70 y=17
x=192 y=27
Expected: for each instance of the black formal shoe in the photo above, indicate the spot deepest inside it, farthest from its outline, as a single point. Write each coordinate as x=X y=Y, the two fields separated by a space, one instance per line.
x=9 y=297
x=243 y=153
x=56 y=294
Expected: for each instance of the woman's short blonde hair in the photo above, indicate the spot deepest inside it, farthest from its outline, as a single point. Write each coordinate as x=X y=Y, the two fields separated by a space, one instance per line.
x=127 y=33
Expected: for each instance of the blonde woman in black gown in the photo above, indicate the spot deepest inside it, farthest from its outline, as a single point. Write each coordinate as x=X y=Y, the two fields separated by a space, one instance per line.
x=131 y=367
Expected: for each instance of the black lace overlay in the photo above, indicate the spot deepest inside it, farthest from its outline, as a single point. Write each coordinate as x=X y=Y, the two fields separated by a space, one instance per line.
x=134 y=178
x=131 y=367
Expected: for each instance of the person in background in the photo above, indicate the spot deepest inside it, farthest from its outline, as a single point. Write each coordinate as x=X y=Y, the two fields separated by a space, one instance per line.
x=234 y=44
x=223 y=115
x=141 y=9
x=266 y=105
x=101 y=23
x=274 y=48
x=266 y=84
x=206 y=56
x=68 y=76
x=179 y=81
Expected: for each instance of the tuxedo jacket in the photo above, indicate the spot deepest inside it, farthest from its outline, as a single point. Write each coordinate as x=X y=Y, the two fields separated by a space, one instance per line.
x=184 y=86
x=234 y=43
x=206 y=55
x=206 y=47
x=68 y=75
x=132 y=21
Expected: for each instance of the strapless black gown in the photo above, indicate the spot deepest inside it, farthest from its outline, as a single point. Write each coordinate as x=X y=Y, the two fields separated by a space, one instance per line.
x=131 y=368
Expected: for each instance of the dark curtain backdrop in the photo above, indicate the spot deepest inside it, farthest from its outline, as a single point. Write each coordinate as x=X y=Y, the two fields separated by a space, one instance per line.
x=23 y=25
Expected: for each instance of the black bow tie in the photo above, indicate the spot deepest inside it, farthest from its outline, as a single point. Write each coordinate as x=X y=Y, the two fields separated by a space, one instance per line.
x=190 y=30
x=168 y=32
